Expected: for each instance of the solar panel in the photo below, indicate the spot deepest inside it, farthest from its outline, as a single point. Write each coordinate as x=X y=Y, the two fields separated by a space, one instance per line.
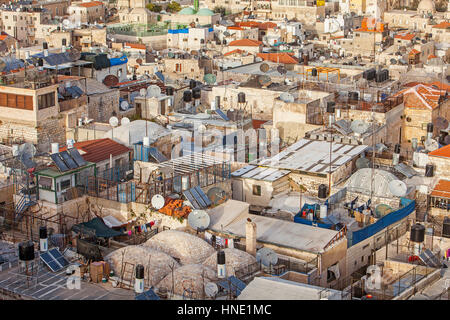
x=198 y=198
x=232 y=284
x=203 y=196
x=222 y=115
x=54 y=260
x=158 y=156
x=147 y=295
x=429 y=259
x=77 y=156
x=68 y=160
x=159 y=75
x=191 y=199
x=58 y=162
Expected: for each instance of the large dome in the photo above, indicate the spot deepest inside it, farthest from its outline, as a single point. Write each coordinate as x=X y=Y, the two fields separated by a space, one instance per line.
x=359 y=182
x=187 y=11
x=426 y=6
x=205 y=12
x=184 y=246
x=157 y=264
x=234 y=259
x=189 y=279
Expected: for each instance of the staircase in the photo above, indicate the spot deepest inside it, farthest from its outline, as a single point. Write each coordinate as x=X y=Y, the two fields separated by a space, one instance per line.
x=24 y=203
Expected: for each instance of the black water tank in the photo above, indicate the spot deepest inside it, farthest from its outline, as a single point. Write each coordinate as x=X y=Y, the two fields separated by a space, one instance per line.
x=44 y=45
x=218 y=42
x=220 y=257
x=442 y=137
x=134 y=77
x=429 y=170
x=397 y=148
x=224 y=41
x=196 y=93
x=187 y=96
x=330 y=106
x=217 y=102
x=40 y=62
x=322 y=191
x=26 y=251
x=417 y=233
x=446 y=227
x=169 y=91
x=314 y=72
x=192 y=84
x=139 y=271
x=64 y=41
x=43 y=232
x=241 y=97
x=430 y=127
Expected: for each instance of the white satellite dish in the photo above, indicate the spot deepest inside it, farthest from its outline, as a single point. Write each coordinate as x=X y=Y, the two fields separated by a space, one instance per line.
x=124 y=105
x=113 y=121
x=199 y=220
x=398 y=188
x=267 y=257
x=143 y=92
x=158 y=201
x=211 y=289
x=431 y=145
x=359 y=126
x=287 y=97
x=153 y=91
x=124 y=121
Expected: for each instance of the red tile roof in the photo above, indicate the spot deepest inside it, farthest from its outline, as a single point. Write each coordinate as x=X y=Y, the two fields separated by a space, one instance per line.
x=239 y=51
x=258 y=123
x=234 y=28
x=442 y=25
x=442 y=189
x=91 y=4
x=443 y=152
x=281 y=57
x=431 y=56
x=267 y=25
x=99 y=150
x=245 y=43
x=427 y=96
x=136 y=45
x=405 y=36
x=414 y=51
x=3 y=37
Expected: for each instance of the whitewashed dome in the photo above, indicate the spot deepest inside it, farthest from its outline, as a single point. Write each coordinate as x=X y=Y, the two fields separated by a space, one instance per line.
x=426 y=6
x=234 y=259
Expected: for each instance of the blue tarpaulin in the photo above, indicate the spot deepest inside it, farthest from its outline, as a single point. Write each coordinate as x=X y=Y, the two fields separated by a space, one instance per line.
x=118 y=61
x=315 y=223
x=176 y=31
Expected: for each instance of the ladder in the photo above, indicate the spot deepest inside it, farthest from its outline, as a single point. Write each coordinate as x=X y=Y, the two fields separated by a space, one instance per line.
x=127 y=271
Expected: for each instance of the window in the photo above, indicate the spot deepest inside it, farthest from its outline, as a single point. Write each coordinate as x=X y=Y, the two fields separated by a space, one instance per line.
x=65 y=184
x=45 y=183
x=256 y=190
x=178 y=67
x=16 y=101
x=46 y=100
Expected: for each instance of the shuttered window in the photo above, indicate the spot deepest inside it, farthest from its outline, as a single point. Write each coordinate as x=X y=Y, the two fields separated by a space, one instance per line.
x=16 y=101
x=46 y=100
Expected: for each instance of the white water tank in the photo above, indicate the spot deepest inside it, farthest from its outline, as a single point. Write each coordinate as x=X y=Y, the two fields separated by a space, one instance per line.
x=55 y=147
x=323 y=211
x=15 y=150
x=146 y=141
x=310 y=216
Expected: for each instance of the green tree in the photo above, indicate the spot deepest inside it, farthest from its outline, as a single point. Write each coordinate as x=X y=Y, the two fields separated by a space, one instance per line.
x=173 y=7
x=220 y=9
x=154 y=7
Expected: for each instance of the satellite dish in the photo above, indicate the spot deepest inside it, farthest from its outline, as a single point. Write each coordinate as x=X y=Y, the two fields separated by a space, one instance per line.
x=441 y=123
x=264 y=80
x=124 y=105
x=74 y=54
x=382 y=209
x=124 y=121
x=139 y=61
x=110 y=80
x=267 y=257
x=398 y=188
x=287 y=97
x=264 y=67
x=113 y=121
x=209 y=78
x=217 y=195
x=158 y=201
x=393 y=61
x=171 y=54
x=27 y=149
x=143 y=92
x=226 y=34
x=201 y=128
x=281 y=70
x=362 y=163
x=359 y=126
x=431 y=145
x=153 y=91
x=211 y=289
x=199 y=220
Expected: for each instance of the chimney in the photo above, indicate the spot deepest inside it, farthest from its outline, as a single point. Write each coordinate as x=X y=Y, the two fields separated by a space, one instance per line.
x=250 y=237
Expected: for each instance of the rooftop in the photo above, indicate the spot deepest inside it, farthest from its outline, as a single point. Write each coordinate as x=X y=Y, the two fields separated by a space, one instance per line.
x=278 y=57
x=245 y=43
x=442 y=189
x=99 y=150
x=90 y=4
x=260 y=173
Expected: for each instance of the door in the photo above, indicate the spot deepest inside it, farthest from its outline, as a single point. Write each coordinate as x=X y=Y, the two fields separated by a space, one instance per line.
x=237 y=190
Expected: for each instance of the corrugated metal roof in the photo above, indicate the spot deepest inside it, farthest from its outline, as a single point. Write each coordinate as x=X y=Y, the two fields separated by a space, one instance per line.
x=100 y=149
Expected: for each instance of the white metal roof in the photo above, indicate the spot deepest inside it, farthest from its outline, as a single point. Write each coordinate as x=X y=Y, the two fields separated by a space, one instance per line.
x=260 y=173
x=190 y=163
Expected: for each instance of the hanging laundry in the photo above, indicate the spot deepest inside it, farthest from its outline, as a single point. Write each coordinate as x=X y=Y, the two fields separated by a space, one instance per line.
x=137 y=229
x=129 y=232
x=144 y=228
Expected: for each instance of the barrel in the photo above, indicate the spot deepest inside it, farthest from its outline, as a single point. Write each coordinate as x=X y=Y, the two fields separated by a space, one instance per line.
x=139 y=271
x=220 y=257
x=192 y=84
x=429 y=170
x=314 y=72
x=26 y=251
x=397 y=148
x=322 y=191
x=330 y=106
x=44 y=45
x=417 y=233
x=430 y=127
x=43 y=232
x=187 y=96
x=169 y=91
x=196 y=93
x=241 y=97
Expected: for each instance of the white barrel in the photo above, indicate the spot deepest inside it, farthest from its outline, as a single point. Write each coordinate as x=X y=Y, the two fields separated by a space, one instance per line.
x=185 y=183
x=55 y=147
x=395 y=159
x=417 y=248
x=338 y=113
x=146 y=141
x=323 y=211
x=310 y=216
x=43 y=245
x=221 y=271
x=139 y=286
x=15 y=150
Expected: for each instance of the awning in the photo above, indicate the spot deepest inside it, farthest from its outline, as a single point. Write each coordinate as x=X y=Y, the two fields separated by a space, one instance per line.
x=96 y=227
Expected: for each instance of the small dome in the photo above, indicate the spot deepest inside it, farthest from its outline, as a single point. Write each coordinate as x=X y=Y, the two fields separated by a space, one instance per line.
x=234 y=259
x=360 y=182
x=205 y=12
x=187 y=11
x=426 y=6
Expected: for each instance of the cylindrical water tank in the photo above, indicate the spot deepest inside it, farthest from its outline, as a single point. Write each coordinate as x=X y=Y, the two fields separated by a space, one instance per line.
x=323 y=211
x=396 y=155
x=196 y=93
x=430 y=129
x=69 y=143
x=139 y=283
x=397 y=148
x=169 y=91
x=322 y=191
x=15 y=150
x=146 y=141
x=217 y=102
x=26 y=251
x=187 y=96
x=192 y=84
x=55 y=147
x=338 y=113
x=429 y=170
x=43 y=241
x=417 y=233
x=221 y=267
x=310 y=216
x=241 y=97
x=414 y=143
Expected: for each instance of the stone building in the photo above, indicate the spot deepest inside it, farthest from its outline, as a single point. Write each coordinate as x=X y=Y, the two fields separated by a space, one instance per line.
x=87 y=11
